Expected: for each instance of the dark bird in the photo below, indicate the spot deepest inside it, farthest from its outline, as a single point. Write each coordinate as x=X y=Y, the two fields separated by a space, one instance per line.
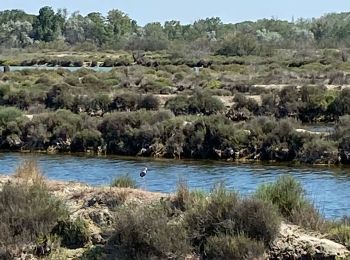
x=143 y=173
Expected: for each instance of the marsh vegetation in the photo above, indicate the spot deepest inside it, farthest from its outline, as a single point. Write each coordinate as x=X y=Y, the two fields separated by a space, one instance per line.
x=221 y=223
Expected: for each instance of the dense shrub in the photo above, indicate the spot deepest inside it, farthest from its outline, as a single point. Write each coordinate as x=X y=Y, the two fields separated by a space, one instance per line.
x=198 y=103
x=59 y=96
x=242 y=101
x=341 y=104
x=86 y=140
x=27 y=211
x=233 y=248
x=288 y=196
x=179 y=105
x=126 y=101
x=318 y=151
x=282 y=143
x=204 y=103
x=149 y=102
x=8 y=114
x=237 y=45
x=73 y=234
x=146 y=233
x=224 y=213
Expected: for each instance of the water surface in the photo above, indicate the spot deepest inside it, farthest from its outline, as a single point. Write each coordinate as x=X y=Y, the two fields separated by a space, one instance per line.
x=18 y=68
x=329 y=188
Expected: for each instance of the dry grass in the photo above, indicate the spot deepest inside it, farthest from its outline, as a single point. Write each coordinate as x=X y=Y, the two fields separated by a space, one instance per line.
x=29 y=172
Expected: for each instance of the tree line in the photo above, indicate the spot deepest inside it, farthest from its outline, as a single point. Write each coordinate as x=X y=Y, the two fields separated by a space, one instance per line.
x=118 y=31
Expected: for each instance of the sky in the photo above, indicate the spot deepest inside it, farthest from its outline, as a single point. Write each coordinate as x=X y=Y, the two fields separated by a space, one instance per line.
x=188 y=11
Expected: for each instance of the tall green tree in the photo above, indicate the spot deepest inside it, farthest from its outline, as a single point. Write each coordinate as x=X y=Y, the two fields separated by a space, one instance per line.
x=119 y=23
x=48 y=25
x=96 y=29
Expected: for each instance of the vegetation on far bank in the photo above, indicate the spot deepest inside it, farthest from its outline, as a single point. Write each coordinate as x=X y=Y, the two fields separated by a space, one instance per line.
x=219 y=224
x=205 y=90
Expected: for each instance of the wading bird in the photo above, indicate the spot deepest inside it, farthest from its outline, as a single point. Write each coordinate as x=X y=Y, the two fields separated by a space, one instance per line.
x=144 y=172
x=142 y=175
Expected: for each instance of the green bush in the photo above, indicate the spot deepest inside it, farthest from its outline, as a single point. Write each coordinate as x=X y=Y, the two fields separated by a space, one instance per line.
x=8 y=114
x=150 y=102
x=124 y=181
x=237 y=44
x=239 y=247
x=203 y=102
x=341 y=104
x=86 y=140
x=288 y=196
x=147 y=233
x=27 y=212
x=241 y=101
x=179 y=105
x=73 y=234
x=318 y=151
x=59 y=96
x=225 y=213
x=126 y=101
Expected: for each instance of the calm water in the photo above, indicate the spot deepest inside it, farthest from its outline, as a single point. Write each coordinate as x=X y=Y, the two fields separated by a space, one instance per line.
x=329 y=188
x=16 y=68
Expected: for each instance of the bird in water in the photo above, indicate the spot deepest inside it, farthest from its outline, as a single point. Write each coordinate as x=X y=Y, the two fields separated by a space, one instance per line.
x=144 y=172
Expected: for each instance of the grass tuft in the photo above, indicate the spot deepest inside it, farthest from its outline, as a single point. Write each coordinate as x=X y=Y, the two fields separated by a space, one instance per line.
x=124 y=181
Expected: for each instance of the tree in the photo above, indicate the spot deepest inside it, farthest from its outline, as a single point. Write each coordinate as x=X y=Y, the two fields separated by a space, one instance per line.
x=119 y=23
x=153 y=38
x=15 y=34
x=237 y=44
x=48 y=25
x=96 y=29
x=15 y=15
x=173 y=30
x=74 y=31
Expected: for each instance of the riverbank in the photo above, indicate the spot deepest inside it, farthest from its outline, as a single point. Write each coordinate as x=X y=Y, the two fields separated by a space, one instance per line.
x=111 y=212
x=174 y=111
x=333 y=201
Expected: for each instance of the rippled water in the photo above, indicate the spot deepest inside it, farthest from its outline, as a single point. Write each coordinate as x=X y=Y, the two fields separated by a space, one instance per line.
x=329 y=188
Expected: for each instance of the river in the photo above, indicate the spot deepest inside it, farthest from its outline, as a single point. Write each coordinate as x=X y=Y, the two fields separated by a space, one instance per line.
x=328 y=188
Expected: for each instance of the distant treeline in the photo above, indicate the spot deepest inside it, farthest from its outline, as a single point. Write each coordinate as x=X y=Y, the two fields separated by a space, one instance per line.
x=118 y=31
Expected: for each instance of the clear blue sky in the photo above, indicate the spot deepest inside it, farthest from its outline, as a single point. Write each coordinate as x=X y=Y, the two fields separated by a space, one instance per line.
x=187 y=11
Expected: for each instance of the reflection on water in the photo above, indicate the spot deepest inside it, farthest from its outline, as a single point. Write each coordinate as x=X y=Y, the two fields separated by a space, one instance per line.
x=329 y=188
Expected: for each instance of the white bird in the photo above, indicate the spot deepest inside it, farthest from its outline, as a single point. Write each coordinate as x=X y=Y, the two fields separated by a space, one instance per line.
x=144 y=172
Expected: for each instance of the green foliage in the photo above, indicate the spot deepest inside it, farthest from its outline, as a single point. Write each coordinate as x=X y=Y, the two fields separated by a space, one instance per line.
x=288 y=196
x=93 y=253
x=179 y=105
x=146 y=232
x=318 y=151
x=233 y=248
x=340 y=106
x=123 y=181
x=9 y=114
x=225 y=213
x=86 y=140
x=286 y=193
x=150 y=102
x=237 y=45
x=27 y=211
x=47 y=26
x=203 y=102
x=73 y=234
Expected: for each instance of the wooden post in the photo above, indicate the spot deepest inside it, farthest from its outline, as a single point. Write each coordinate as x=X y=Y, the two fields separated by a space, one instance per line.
x=6 y=68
